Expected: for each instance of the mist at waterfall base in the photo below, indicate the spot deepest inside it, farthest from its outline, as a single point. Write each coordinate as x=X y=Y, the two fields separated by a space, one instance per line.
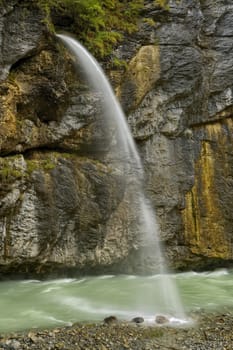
x=169 y=301
x=36 y=304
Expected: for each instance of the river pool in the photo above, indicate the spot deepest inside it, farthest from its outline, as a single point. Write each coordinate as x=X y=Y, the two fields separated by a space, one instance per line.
x=33 y=303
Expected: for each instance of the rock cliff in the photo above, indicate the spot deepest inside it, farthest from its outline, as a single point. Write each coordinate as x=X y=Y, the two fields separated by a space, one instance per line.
x=64 y=204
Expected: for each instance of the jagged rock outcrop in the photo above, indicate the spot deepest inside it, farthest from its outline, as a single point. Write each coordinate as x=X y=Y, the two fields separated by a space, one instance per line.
x=64 y=204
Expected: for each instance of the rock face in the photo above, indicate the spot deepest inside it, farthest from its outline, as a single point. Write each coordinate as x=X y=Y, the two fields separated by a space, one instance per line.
x=184 y=128
x=65 y=206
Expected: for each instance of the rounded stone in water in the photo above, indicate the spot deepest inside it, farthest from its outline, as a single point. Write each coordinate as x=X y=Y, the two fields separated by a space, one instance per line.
x=110 y=320
x=138 y=320
x=160 y=319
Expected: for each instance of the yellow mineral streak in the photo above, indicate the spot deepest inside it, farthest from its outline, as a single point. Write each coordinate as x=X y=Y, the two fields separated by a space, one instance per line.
x=214 y=131
x=8 y=120
x=202 y=217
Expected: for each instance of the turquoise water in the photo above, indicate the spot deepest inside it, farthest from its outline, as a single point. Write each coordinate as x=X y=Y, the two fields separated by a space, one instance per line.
x=32 y=303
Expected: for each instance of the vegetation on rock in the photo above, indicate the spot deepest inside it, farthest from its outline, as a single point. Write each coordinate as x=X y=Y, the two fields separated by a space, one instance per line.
x=99 y=24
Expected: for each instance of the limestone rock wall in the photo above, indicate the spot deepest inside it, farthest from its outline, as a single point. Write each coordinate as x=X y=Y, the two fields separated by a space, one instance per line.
x=63 y=207
x=65 y=204
x=183 y=125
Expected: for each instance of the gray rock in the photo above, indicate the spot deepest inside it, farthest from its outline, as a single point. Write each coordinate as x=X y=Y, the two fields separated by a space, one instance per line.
x=194 y=93
x=138 y=320
x=110 y=320
x=160 y=319
x=21 y=29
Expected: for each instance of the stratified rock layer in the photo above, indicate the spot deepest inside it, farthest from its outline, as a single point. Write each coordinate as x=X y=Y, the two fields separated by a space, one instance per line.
x=65 y=203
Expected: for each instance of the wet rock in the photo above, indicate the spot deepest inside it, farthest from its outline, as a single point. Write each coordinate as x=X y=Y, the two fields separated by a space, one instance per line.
x=138 y=320
x=193 y=92
x=160 y=319
x=13 y=344
x=56 y=215
x=19 y=41
x=208 y=333
x=110 y=320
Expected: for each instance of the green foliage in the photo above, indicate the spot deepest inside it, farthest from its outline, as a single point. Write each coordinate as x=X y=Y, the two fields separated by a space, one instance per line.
x=45 y=164
x=6 y=173
x=117 y=63
x=149 y=21
x=9 y=170
x=99 y=24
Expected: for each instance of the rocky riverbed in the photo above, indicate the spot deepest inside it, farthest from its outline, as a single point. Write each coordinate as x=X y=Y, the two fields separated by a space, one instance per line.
x=208 y=332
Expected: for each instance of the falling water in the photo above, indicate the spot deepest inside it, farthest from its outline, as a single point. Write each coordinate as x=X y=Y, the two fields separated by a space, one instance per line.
x=112 y=109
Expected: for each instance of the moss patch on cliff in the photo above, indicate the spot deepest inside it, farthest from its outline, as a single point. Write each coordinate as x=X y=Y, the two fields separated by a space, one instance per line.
x=41 y=161
x=12 y=169
x=7 y=172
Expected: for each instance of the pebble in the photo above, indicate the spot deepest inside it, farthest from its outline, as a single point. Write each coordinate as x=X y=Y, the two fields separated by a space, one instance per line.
x=118 y=335
x=110 y=320
x=138 y=320
x=160 y=319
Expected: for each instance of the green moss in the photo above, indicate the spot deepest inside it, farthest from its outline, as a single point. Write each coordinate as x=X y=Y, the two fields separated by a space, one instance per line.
x=100 y=24
x=149 y=21
x=7 y=173
x=46 y=164
x=163 y=3
x=32 y=165
x=66 y=155
x=117 y=63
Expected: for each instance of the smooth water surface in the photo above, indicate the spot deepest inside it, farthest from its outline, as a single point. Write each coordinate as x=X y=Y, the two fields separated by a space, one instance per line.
x=27 y=304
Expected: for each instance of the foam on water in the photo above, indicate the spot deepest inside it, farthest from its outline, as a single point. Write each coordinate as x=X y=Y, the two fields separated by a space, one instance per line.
x=217 y=273
x=104 y=277
x=90 y=308
x=30 y=281
x=80 y=281
x=60 y=281
x=24 y=305
x=50 y=289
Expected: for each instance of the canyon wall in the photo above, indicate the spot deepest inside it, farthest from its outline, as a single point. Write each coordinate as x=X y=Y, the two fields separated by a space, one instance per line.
x=65 y=205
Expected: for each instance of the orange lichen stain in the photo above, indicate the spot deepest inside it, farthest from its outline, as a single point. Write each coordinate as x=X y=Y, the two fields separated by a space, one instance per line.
x=202 y=217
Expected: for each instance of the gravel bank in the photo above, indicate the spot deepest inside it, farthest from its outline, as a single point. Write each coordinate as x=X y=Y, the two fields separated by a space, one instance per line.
x=209 y=332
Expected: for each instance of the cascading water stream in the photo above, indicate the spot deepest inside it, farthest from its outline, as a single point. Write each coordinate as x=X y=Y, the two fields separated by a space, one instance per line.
x=112 y=109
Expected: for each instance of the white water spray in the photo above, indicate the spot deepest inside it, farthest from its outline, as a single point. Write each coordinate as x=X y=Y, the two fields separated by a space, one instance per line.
x=112 y=109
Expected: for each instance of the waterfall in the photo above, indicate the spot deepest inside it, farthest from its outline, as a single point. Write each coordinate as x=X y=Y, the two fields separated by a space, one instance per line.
x=112 y=109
